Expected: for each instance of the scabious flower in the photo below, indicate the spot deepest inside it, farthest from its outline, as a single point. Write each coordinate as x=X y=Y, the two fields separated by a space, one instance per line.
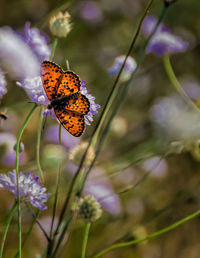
x=93 y=106
x=34 y=88
x=99 y=186
x=163 y=41
x=78 y=151
x=129 y=67
x=30 y=189
x=37 y=42
x=3 y=84
x=89 y=208
x=60 y=24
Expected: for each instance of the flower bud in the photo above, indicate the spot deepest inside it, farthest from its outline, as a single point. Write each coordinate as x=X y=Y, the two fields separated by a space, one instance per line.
x=21 y=147
x=77 y=154
x=60 y=24
x=88 y=208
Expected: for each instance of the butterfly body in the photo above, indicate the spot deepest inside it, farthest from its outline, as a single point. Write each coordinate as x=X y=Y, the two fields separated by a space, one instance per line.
x=63 y=91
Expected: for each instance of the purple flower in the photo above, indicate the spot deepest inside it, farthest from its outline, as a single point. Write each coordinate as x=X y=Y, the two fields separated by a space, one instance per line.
x=34 y=88
x=3 y=84
x=129 y=67
x=29 y=188
x=8 y=157
x=90 y=12
x=67 y=139
x=17 y=56
x=38 y=42
x=93 y=106
x=163 y=41
x=99 y=186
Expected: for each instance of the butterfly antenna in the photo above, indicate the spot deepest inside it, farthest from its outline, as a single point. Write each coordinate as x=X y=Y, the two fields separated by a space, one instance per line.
x=67 y=65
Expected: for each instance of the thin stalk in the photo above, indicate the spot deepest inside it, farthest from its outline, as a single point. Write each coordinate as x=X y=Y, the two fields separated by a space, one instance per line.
x=38 y=144
x=85 y=239
x=55 y=42
x=29 y=231
x=107 y=106
x=172 y=77
x=56 y=196
x=17 y=176
x=150 y=236
x=7 y=227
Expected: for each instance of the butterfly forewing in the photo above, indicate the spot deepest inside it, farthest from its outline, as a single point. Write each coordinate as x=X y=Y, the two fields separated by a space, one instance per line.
x=69 y=84
x=51 y=75
x=72 y=121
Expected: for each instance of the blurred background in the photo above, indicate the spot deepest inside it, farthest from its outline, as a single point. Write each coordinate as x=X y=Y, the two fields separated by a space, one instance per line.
x=152 y=122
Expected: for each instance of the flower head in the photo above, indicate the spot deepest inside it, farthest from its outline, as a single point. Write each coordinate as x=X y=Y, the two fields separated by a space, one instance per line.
x=93 y=106
x=129 y=67
x=78 y=151
x=3 y=84
x=89 y=209
x=163 y=41
x=29 y=188
x=60 y=24
x=37 y=42
x=34 y=88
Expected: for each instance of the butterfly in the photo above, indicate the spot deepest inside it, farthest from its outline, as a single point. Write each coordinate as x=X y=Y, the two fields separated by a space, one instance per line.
x=63 y=90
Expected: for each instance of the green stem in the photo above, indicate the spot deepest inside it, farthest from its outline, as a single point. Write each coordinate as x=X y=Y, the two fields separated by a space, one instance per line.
x=7 y=226
x=56 y=197
x=17 y=176
x=38 y=144
x=172 y=77
x=150 y=236
x=85 y=239
x=55 y=42
x=28 y=232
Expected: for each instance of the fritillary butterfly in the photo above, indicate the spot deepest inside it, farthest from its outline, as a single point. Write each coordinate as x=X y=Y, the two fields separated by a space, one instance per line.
x=63 y=90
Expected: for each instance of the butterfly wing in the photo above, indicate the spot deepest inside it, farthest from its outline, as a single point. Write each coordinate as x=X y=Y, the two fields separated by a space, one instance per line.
x=71 y=121
x=69 y=84
x=78 y=103
x=51 y=75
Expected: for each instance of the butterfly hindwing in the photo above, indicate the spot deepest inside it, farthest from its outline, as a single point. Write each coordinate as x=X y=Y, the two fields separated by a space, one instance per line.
x=79 y=103
x=71 y=121
x=51 y=75
x=69 y=84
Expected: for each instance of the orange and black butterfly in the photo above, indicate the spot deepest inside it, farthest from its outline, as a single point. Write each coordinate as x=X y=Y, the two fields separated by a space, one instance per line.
x=63 y=90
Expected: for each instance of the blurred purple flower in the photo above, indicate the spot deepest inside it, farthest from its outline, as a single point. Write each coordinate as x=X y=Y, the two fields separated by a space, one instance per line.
x=29 y=188
x=37 y=42
x=90 y=12
x=158 y=167
x=93 y=106
x=129 y=67
x=8 y=158
x=99 y=186
x=163 y=41
x=67 y=139
x=3 y=83
x=17 y=56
